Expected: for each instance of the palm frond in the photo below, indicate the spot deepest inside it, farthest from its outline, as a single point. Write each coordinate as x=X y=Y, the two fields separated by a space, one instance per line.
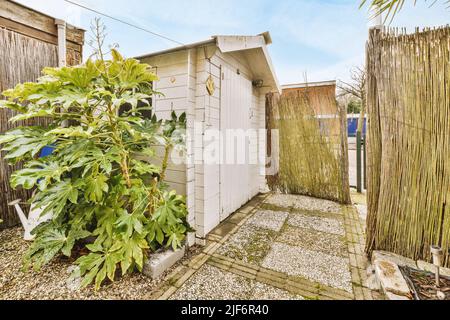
x=390 y=7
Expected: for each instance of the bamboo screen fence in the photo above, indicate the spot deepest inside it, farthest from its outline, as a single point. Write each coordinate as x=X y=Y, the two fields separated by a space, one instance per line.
x=21 y=60
x=310 y=151
x=409 y=142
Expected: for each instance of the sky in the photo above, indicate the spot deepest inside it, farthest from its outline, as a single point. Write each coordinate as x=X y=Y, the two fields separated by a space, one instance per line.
x=318 y=40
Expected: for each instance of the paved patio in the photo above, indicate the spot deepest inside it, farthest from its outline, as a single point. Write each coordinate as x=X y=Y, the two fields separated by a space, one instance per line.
x=278 y=247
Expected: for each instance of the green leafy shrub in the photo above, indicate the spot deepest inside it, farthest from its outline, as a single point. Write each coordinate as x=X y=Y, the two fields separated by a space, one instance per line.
x=106 y=194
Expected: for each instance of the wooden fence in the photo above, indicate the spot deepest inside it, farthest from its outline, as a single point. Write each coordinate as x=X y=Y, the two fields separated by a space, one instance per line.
x=409 y=141
x=22 y=60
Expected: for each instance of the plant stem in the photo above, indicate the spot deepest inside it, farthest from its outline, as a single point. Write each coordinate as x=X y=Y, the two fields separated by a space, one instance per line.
x=165 y=163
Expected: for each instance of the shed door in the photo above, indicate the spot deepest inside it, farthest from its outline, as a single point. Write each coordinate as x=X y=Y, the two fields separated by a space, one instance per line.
x=235 y=107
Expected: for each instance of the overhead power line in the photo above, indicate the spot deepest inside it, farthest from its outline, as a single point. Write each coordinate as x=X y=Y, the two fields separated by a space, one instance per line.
x=124 y=22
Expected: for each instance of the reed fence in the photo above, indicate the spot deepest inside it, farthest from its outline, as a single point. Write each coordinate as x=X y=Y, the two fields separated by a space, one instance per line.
x=409 y=141
x=309 y=150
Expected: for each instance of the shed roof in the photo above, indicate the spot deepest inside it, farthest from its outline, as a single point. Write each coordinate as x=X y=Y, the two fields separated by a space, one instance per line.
x=309 y=84
x=254 y=47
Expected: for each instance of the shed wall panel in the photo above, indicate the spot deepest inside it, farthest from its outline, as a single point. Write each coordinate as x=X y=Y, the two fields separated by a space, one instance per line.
x=172 y=70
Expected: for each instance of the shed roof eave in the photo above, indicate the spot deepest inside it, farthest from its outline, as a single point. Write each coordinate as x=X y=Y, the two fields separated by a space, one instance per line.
x=218 y=40
x=272 y=70
x=177 y=49
x=229 y=44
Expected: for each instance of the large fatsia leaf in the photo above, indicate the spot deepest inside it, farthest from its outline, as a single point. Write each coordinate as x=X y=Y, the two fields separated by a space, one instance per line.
x=72 y=97
x=142 y=168
x=102 y=263
x=117 y=57
x=34 y=92
x=55 y=198
x=33 y=112
x=79 y=223
x=38 y=172
x=95 y=187
x=89 y=268
x=132 y=252
x=155 y=232
x=171 y=209
x=133 y=100
x=51 y=239
x=176 y=236
x=46 y=246
x=79 y=76
x=130 y=74
x=106 y=218
x=84 y=154
x=4 y=104
x=73 y=236
x=24 y=142
x=127 y=224
x=71 y=132
x=96 y=267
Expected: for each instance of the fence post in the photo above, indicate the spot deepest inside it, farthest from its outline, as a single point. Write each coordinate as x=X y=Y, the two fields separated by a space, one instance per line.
x=365 y=162
x=358 y=162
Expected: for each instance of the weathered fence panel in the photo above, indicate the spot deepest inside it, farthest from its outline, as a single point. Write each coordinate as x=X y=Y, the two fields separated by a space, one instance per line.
x=21 y=60
x=310 y=150
x=409 y=141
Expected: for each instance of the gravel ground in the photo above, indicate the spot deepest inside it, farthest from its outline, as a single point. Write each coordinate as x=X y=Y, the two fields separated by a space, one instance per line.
x=314 y=240
x=250 y=244
x=211 y=283
x=52 y=283
x=307 y=244
x=304 y=203
x=316 y=266
x=272 y=220
x=326 y=225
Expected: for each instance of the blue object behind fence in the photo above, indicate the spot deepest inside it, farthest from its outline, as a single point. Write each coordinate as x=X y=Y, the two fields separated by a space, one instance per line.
x=353 y=127
x=46 y=151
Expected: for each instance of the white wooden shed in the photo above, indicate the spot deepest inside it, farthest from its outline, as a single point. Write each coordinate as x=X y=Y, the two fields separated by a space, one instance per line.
x=239 y=73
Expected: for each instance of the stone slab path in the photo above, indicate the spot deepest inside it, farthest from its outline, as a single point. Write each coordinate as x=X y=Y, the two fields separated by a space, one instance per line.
x=278 y=247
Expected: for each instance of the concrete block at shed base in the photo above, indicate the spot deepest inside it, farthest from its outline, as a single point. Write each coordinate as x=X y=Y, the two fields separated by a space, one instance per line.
x=158 y=263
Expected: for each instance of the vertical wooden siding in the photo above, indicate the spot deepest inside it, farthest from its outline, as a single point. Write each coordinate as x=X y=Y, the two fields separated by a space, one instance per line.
x=236 y=178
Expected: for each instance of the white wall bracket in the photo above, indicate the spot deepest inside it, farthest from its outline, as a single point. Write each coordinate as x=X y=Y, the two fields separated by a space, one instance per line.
x=62 y=50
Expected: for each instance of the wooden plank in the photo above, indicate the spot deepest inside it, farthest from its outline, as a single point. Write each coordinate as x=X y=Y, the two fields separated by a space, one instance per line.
x=36 y=34
x=74 y=51
x=26 y=16
x=36 y=24
x=239 y=43
x=28 y=31
x=235 y=189
x=75 y=35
